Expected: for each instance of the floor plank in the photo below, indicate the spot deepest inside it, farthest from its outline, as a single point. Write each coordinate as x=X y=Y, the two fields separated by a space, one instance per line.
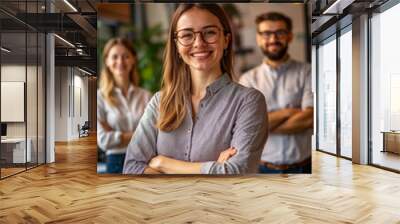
x=70 y=191
x=387 y=159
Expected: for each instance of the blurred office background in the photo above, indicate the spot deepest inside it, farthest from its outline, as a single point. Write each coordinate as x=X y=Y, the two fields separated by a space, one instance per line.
x=148 y=33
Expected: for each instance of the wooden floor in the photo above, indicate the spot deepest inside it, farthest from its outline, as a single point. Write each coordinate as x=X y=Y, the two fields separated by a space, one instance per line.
x=387 y=159
x=70 y=191
x=10 y=171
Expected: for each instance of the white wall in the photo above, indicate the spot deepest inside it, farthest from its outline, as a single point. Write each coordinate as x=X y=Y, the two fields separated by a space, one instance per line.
x=61 y=103
x=33 y=127
x=12 y=73
x=71 y=94
x=82 y=83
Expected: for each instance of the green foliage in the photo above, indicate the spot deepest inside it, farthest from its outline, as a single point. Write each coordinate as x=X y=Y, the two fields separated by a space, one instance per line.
x=149 y=44
x=150 y=47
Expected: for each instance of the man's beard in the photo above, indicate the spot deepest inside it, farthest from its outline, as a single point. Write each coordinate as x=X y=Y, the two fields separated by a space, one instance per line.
x=276 y=56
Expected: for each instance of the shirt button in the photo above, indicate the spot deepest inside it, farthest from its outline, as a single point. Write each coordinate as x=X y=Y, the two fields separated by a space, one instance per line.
x=189 y=130
x=202 y=105
x=185 y=154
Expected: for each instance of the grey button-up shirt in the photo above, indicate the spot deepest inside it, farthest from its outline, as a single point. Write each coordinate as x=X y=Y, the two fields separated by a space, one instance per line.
x=288 y=86
x=123 y=118
x=229 y=115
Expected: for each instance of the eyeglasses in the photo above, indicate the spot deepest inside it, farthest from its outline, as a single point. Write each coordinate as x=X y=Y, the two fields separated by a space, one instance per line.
x=187 y=37
x=280 y=34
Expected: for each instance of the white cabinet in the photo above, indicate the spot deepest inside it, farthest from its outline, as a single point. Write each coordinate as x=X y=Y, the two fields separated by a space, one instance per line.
x=16 y=149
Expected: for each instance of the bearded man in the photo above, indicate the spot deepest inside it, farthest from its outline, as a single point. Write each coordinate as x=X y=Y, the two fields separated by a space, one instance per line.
x=286 y=85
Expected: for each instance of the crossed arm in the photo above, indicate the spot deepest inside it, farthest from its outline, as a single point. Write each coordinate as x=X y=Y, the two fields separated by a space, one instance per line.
x=163 y=164
x=108 y=137
x=105 y=133
x=290 y=120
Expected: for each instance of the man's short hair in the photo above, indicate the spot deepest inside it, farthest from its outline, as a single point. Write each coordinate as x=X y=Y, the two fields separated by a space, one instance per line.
x=275 y=16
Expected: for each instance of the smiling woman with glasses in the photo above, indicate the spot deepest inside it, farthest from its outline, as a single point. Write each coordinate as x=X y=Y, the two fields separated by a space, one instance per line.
x=186 y=37
x=201 y=122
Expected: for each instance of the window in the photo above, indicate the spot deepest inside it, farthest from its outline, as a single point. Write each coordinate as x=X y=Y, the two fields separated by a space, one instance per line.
x=326 y=81
x=22 y=75
x=346 y=93
x=385 y=89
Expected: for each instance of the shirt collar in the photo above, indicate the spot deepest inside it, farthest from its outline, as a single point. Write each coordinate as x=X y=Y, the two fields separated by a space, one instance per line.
x=281 y=69
x=222 y=81
x=131 y=89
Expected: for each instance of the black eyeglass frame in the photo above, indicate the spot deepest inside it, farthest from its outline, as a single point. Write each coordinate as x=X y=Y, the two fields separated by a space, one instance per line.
x=281 y=33
x=201 y=35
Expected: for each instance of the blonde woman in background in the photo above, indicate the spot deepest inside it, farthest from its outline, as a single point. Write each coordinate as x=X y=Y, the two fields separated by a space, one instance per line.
x=120 y=102
x=201 y=122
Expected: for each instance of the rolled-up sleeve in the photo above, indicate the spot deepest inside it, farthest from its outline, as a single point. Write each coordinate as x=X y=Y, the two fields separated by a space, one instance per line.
x=143 y=145
x=105 y=139
x=249 y=136
x=308 y=98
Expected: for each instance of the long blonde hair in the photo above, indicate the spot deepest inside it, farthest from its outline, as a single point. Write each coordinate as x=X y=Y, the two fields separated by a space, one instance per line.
x=107 y=82
x=176 y=81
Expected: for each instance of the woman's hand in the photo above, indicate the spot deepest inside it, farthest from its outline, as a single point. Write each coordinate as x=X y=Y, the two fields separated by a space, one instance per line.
x=125 y=137
x=149 y=170
x=164 y=164
x=168 y=165
x=156 y=162
x=225 y=155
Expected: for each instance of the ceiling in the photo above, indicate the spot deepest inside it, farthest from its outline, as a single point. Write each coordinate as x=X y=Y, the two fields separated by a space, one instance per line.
x=330 y=16
x=22 y=20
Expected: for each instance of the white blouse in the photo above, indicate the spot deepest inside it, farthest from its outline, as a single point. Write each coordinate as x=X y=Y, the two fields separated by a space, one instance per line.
x=123 y=118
